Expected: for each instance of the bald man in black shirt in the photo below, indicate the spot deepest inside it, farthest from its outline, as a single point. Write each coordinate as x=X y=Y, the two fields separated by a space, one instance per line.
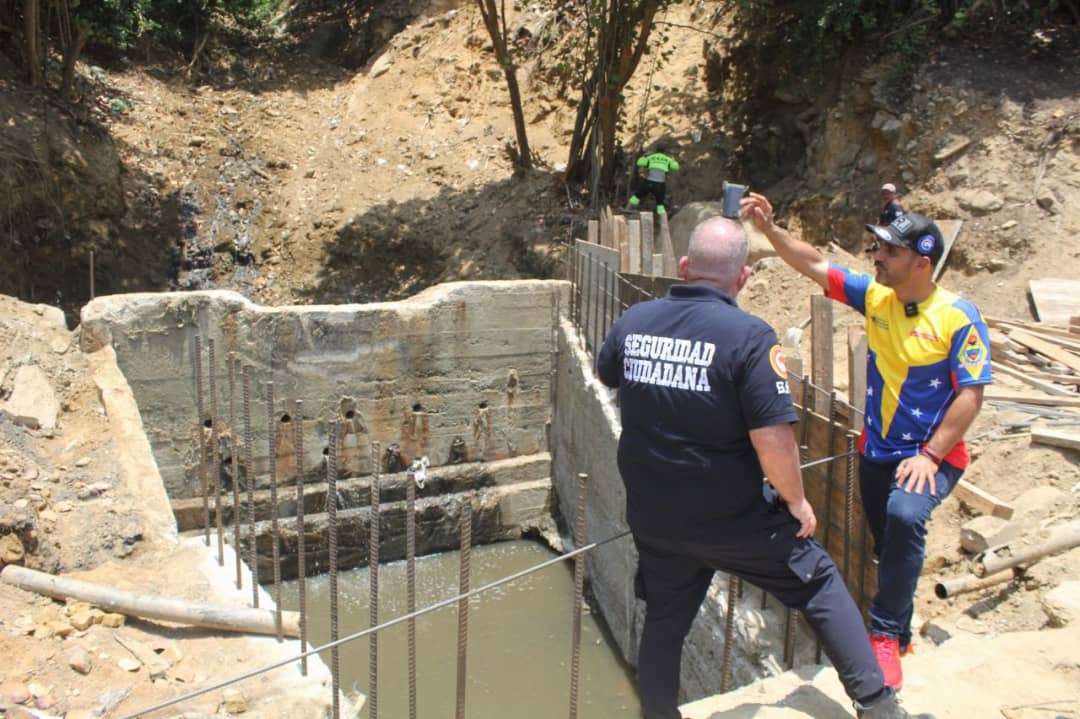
x=706 y=414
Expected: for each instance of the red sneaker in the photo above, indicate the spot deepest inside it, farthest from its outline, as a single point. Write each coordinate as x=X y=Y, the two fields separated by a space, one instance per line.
x=909 y=649
x=887 y=651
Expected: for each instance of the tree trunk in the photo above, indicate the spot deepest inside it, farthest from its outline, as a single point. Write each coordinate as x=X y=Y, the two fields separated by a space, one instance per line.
x=71 y=56
x=502 y=55
x=32 y=40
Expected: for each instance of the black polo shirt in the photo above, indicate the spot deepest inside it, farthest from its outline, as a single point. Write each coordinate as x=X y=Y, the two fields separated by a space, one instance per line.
x=695 y=375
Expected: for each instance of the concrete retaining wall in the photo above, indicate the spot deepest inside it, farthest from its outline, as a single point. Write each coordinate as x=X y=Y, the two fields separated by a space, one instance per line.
x=462 y=361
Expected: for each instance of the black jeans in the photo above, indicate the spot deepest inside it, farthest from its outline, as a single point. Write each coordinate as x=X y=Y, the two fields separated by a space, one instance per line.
x=675 y=575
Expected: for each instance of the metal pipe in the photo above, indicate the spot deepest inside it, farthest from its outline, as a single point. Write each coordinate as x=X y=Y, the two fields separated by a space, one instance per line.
x=970 y=583
x=275 y=530
x=410 y=582
x=990 y=563
x=249 y=480
x=301 y=548
x=204 y=487
x=579 y=596
x=331 y=516
x=235 y=463
x=374 y=528
x=463 y=605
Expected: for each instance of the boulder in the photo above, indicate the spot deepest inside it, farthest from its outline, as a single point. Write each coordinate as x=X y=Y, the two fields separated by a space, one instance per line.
x=1062 y=603
x=692 y=214
x=979 y=202
x=33 y=402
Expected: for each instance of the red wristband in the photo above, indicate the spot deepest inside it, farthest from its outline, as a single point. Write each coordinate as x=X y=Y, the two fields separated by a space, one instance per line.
x=938 y=459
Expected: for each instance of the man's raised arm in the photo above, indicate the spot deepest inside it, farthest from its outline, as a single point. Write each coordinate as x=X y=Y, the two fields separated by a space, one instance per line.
x=801 y=255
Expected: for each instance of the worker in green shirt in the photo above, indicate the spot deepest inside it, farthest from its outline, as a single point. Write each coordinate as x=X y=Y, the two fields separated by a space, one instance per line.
x=657 y=166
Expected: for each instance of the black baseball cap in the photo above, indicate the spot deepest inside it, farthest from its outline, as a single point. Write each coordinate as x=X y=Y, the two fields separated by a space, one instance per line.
x=913 y=231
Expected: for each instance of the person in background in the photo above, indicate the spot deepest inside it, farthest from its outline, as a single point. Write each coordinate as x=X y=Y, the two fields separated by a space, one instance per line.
x=892 y=207
x=657 y=165
x=927 y=364
x=706 y=414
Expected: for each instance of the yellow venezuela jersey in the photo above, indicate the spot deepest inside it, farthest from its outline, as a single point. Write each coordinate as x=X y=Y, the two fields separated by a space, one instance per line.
x=914 y=365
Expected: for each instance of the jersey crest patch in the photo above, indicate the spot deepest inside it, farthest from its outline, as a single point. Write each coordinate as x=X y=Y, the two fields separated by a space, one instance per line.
x=973 y=353
x=776 y=359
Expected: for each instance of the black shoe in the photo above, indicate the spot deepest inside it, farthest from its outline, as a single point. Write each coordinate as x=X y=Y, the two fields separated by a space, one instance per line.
x=886 y=706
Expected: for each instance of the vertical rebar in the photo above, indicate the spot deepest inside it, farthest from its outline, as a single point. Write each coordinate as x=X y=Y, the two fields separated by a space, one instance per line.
x=790 y=617
x=587 y=286
x=91 y=274
x=249 y=480
x=596 y=308
x=275 y=536
x=463 y=604
x=235 y=464
x=331 y=515
x=215 y=443
x=733 y=588
x=373 y=582
x=849 y=505
x=301 y=548
x=612 y=304
x=410 y=582
x=579 y=595
x=572 y=267
x=830 y=479
x=200 y=403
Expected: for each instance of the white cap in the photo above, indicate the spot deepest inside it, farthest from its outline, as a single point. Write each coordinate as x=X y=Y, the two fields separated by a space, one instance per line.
x=888 y=187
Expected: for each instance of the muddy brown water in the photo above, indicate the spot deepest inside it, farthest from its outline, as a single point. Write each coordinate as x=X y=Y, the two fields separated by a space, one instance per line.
x=519 y=641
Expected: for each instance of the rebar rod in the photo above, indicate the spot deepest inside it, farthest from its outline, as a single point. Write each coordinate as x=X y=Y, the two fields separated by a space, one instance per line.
x=463 y=604
x=373 y=582
x=91 y=274
x=249 y=480
x=215 y=443
x=235 y=464
x=830 y=478
x=386 y=625
x=331 y=516
x=410 y=583
x=200 y=403
x=849 y=508
x=301 y=548
x=275 y=530
x=612 y=276
x=790 y=618
x=591 y=298
x=729 y=629
x=579 y=596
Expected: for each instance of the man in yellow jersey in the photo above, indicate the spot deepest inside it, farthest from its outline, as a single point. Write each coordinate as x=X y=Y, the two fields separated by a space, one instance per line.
x=928 y=361
x=657 y=165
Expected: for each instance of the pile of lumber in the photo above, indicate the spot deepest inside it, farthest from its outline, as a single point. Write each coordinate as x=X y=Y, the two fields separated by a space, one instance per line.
x=1045 y=359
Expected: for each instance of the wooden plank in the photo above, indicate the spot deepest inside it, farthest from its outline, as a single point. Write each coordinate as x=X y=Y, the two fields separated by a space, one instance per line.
x=1055 y=438
x=950 y=230
x=1025 y=377
x=1056 y=335
x=1045 y=400
x=1055 y=300
x=857 y=351
x=633 y=245
x=671 y=265
x=648 y=247
x=622 y=242
x=821 y=357
x=594 y=232
x=1058 y=354
x=982 y=500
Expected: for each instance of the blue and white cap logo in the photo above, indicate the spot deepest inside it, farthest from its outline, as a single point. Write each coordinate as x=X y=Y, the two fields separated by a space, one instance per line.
x=926 y=244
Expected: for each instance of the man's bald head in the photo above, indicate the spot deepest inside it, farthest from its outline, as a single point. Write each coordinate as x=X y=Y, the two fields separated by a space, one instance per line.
x=717 y=254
